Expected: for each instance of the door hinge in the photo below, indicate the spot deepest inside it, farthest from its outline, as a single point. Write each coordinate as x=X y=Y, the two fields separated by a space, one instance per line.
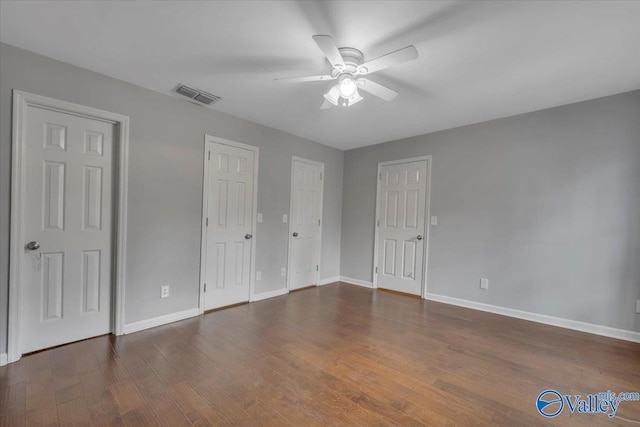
x=321 y=176
x=207 y=222
x=376 y=270
x=380 y=176
x=205 y=287
x=317 y=268
x=318 y=222
x=209 y=156
x=378 y=223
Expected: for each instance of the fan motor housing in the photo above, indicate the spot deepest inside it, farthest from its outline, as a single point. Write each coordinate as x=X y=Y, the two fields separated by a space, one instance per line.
x=352 y=59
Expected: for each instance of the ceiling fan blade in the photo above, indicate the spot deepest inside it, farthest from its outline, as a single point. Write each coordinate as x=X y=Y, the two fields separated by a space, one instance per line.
x=305 y=79
x=405 y=54
x=330 y=50
x=377 y=89
x=326 y=105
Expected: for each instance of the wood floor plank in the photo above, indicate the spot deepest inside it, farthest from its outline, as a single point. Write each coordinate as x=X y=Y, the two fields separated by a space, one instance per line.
x=103 y=409
x=167 y=411
x=67 y=386
x=43 y=416
x=74 y=413
x=127 y=396
x=18 y=419
x=195 y=407
x=13 y=398
x=40 y=394
x=140 y=417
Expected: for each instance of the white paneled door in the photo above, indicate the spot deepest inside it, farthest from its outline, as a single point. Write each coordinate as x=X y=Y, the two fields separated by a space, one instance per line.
x=305 y=223
x=67 y=267
x=402 y=194
x=229 y=225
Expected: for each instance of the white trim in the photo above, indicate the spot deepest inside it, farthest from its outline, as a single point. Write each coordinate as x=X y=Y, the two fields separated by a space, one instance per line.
x=3 y=359
x=328 y=280
x=21 y=101
x=357 y=282
x=203 y=224
x=425 y=269
x=320 y=207
x=210 y=139
x=160 y=320
x=427 y=222
x=540 y=318
x=269 y=294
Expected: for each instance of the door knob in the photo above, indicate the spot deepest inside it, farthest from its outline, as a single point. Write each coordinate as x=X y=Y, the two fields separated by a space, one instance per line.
x=419 y=237
x=33 y=245
x=295 y=234
x=248 y=236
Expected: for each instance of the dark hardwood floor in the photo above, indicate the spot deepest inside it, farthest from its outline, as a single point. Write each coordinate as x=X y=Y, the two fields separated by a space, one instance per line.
x=332 y=355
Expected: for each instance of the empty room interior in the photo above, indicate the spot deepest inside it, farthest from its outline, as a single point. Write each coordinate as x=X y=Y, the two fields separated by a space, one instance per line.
x=312 y=213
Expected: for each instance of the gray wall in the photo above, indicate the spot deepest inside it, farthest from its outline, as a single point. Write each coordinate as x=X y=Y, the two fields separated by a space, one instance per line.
x=546 y=205
x=165 y=182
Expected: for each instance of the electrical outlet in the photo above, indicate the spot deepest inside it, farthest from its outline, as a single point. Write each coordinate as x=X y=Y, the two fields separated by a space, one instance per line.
x=258 y=275
x=259 y=217
x=283 y=271
x=484 y=283
x=434 y=220
x=285 y=218
x=164 y=291
x=638 y=306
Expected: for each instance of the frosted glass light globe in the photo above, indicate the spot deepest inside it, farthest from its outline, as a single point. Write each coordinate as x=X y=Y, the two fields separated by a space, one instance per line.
x=347 y=86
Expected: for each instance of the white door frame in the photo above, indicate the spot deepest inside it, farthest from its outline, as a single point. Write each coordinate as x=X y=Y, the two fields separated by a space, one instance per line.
x=205 y=204
x=21 y=101
x=427 y=213
x=319 y=248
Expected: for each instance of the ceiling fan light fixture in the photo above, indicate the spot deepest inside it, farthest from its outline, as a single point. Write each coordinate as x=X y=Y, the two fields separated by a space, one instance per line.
x=348 y=102
x=347 y=86
x=333 y=95
x=355 y=98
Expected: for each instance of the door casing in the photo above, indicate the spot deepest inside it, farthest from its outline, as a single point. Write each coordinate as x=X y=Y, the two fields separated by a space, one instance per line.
x=21 y=102
x=427 y=213
x=320 y=207
x=205 y=203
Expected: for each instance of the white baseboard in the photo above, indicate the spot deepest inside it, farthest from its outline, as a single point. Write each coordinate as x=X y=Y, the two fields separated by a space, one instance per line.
x=3 y=359
x=269 y=294
x=356 y=282
x=160 y=320
x=328 y=280
x=591 y=328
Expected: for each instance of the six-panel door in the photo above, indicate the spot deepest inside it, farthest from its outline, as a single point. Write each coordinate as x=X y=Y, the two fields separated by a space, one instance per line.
x=230 y=217
x=68 y=212
x=401 y=237
x=306 y=204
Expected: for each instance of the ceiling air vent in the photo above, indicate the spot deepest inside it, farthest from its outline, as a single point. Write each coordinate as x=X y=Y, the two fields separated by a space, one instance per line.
x=197 y=95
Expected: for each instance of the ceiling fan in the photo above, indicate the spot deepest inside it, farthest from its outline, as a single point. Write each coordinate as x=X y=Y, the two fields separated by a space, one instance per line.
x=347 y=66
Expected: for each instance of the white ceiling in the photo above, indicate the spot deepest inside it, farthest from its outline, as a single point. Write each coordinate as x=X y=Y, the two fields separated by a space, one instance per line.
x=478 y=60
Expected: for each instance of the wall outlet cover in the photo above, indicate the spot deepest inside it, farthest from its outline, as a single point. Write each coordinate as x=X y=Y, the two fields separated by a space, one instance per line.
x=283 y=271
x=484 y=283
x=285 y=218
x=434 y=220
x=259 y=218
x=258 y=275
x=164 y=291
